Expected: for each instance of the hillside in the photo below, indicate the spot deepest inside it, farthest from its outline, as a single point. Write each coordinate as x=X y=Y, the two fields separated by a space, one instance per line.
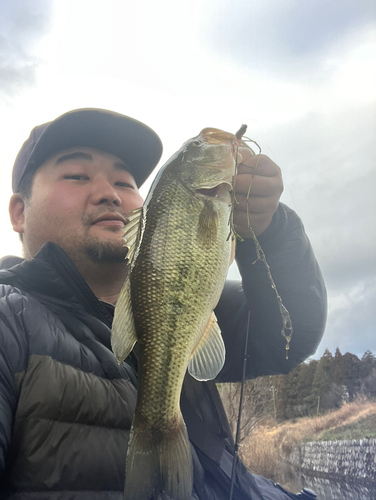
x=267 y=448
x=364 y=428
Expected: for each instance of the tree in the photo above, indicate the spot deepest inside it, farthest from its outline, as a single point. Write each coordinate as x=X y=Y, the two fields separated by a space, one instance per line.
x=351 y=367
x=368 y=384
x=258 y=403
x=308 y=400
x=290 y=394
x=367 y=364
x=338 y=368
x=322 y=378
x=367 y=373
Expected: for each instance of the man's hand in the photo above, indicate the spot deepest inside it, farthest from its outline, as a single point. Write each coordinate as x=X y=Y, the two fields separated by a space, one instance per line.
x=266 y=189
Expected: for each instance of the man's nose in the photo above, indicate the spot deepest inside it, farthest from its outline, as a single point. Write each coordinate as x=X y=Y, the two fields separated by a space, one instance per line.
x=104 y=192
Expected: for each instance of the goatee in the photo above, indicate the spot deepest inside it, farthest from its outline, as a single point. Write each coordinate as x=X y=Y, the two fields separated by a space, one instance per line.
x=108 y=252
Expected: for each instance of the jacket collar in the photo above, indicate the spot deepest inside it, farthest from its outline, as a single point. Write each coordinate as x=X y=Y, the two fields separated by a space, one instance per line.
x=52 y=276
x=10 y=261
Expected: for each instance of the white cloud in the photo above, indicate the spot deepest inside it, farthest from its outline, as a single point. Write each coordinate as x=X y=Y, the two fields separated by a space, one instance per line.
x=21 y=27
x=287 y=39
x=351 y=322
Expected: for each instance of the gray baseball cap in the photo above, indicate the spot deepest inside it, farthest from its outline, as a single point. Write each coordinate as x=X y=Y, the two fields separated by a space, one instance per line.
x=130 y=140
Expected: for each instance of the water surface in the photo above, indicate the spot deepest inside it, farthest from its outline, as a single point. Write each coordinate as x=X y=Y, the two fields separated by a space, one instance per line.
x=327 y=489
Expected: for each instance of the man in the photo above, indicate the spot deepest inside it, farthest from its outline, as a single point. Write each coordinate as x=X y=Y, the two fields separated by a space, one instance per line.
x=65 y=405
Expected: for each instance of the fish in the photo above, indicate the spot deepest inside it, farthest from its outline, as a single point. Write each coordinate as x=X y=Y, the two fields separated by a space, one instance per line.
x=180 y=245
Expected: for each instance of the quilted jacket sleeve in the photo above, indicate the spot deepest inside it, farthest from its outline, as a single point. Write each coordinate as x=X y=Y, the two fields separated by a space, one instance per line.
x=13 y=360
x=300 y=284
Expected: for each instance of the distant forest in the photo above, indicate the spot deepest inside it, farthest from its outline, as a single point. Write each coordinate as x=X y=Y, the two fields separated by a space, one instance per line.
x=312 y=388
x=321 y=385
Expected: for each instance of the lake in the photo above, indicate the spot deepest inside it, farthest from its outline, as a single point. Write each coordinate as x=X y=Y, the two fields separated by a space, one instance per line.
x=327 y=489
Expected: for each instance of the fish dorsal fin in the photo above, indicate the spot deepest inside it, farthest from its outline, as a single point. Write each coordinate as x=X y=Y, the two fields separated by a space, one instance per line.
x=123 y=336
x=208 y=357
x=131 y=232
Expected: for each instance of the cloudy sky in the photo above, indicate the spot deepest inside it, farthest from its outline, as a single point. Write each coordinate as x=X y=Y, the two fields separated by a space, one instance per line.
x=300 y=73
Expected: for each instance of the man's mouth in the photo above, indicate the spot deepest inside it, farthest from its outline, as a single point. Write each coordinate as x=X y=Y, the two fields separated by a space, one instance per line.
x=110 y=219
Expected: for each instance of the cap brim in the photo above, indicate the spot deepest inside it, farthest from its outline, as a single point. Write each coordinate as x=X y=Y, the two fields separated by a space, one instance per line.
x=130 y=140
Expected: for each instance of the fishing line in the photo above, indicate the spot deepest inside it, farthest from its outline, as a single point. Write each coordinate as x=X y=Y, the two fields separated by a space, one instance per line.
x=239 y=134
x=286 y=320
x=236 y=445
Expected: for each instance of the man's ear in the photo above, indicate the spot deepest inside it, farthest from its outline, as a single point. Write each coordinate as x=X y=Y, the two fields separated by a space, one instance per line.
x=17 y=212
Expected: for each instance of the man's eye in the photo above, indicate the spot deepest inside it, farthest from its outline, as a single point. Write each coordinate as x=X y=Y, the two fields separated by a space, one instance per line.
x=124 y=184
x=76 y=177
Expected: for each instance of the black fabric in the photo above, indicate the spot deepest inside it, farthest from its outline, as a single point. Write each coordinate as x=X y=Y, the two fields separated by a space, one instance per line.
x=299 y=282
x=65 y=404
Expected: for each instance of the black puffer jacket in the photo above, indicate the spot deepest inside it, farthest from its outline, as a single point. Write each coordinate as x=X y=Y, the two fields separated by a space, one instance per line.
x=66 y=406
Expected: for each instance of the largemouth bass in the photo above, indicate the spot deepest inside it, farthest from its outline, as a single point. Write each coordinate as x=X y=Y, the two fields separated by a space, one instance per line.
x=179 y=250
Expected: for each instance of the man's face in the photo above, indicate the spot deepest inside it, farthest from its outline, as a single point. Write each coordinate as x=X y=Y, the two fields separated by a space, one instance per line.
x=80 y=200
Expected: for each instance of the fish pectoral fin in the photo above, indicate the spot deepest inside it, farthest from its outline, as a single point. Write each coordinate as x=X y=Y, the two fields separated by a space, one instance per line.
x=131 y=232
x=208 y=225
x=208 y=357
x=123 y=336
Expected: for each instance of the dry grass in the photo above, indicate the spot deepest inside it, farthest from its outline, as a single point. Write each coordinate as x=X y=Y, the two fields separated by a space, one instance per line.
x=267 y=449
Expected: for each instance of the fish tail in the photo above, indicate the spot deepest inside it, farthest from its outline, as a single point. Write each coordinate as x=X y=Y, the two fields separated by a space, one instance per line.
x=159 y=461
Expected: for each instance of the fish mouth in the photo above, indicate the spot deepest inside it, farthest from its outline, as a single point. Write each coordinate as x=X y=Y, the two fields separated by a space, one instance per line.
x=220 y=191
